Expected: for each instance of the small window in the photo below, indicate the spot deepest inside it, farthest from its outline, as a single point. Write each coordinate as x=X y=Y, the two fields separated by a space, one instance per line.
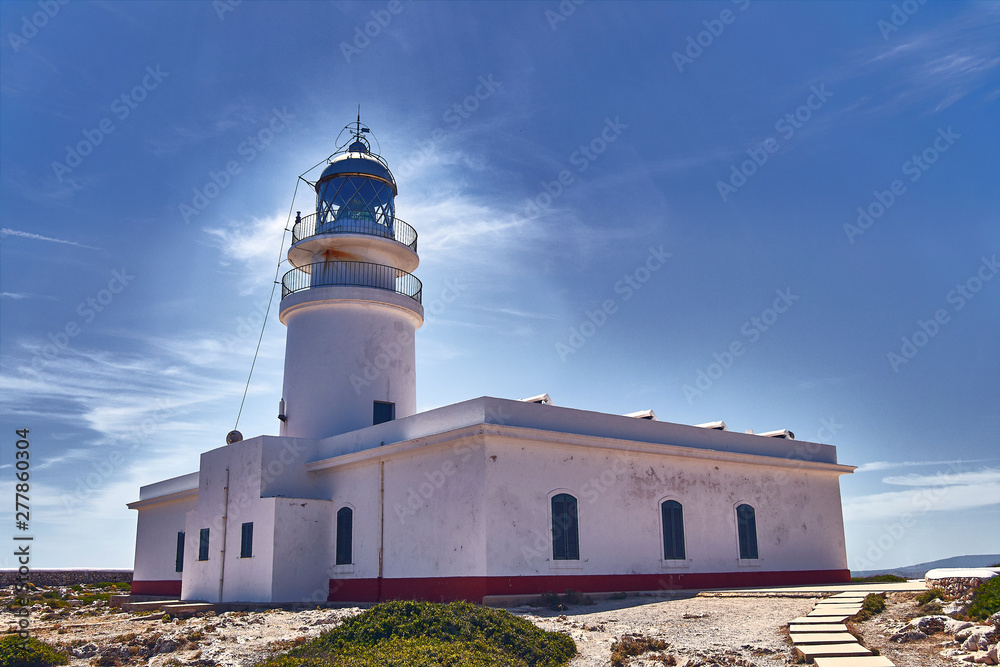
x=673 y=530
x=203 y=544
x=179 y=559
x=345 y=537
x=246 y=541
x=565 y=528
x=383 y=412
x=746 y=525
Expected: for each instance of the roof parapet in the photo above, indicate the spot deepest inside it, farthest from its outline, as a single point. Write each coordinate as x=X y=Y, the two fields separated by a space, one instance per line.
x=782 y=433
x=541 y=399
x=718 y=426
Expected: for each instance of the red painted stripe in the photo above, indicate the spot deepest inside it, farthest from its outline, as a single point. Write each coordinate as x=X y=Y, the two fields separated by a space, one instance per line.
x=473 y=589
x=165 y=587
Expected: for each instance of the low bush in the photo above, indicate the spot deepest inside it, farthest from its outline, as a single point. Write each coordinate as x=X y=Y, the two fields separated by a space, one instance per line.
x=930 y=594
x=18 y=652
x=985 y=600
x=628 y=646
x=878 y=579
x=425 y=634
x=557 y=602
x=873 y=605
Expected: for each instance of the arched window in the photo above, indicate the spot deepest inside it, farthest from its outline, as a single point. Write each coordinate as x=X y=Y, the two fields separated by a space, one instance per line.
x=565 y=531
x=746 y=526
x=345 y=535
x=673 y=530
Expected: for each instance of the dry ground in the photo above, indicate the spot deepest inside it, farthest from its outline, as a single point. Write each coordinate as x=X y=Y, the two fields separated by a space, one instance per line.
x=743 y=630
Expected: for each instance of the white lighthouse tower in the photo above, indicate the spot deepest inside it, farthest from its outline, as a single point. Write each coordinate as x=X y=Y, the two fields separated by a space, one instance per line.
x=351 y=304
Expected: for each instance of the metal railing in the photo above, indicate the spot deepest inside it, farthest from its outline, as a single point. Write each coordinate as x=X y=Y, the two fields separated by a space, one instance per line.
x=356 y=274
x=399 y=231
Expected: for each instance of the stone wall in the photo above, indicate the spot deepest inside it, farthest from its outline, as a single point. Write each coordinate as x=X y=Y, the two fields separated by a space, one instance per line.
x=67 y=577
x=955 y=587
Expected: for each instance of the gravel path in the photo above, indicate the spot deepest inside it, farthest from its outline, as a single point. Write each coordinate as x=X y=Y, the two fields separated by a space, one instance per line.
x=702 y=629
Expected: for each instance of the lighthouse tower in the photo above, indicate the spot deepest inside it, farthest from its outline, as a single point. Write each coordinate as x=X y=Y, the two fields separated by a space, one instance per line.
x=351 y=304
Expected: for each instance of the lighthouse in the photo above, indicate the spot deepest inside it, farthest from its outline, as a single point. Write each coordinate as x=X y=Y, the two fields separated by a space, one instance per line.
x=362 y=499
x=351 y=303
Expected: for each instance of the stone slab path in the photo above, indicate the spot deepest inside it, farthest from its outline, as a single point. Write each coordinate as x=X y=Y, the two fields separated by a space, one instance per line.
x=832 y=646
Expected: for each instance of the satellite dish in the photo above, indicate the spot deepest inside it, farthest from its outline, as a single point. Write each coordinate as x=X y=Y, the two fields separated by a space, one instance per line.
x=233 y=437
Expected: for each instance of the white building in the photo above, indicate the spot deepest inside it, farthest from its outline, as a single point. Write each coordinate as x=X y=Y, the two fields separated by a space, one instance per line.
x=361 y=499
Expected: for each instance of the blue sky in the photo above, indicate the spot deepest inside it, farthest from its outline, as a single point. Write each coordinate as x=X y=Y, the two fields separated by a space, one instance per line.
x=550 y=156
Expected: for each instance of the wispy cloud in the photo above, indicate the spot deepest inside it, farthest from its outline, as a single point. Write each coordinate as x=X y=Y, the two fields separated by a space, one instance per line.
x=987 y=476
x=937 y=499
x=38 y=237
x=890 y=465
x=941 y=65
x=936 y=492
x=253 y=244
x=17 y=296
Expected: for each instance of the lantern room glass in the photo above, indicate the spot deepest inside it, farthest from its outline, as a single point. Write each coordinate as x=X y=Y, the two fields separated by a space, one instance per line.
x=355 y=203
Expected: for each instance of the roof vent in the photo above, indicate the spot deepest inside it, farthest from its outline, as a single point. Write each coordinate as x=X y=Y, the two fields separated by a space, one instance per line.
x=643 y=414
x=541 y=399
x=718 y=426
x=783 y=433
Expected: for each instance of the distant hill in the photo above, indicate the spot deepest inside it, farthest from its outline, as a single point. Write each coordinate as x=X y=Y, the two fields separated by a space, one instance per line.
x=920 y=569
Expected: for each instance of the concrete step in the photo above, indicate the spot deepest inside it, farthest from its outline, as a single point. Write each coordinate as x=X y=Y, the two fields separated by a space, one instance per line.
x=838 y=607
x=863 y=661
x=147 y=606
x=817 y=627
x=814 y=620
x=812 y=651
x=188 y=607
x=828 y=618
x=823 y=638
x=857 y=601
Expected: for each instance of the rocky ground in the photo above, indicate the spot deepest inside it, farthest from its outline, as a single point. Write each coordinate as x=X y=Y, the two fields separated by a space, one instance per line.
x=909 y=635
x=742 y=630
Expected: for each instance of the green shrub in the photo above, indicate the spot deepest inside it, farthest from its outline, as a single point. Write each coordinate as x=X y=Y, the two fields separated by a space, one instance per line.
x=873 y=605
x=557 y=602
x=932 y=608
x=628 y=646
x=425 y=634
x=930 y=594
x=879 y=579
x=985 y=599
x=18 y=652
